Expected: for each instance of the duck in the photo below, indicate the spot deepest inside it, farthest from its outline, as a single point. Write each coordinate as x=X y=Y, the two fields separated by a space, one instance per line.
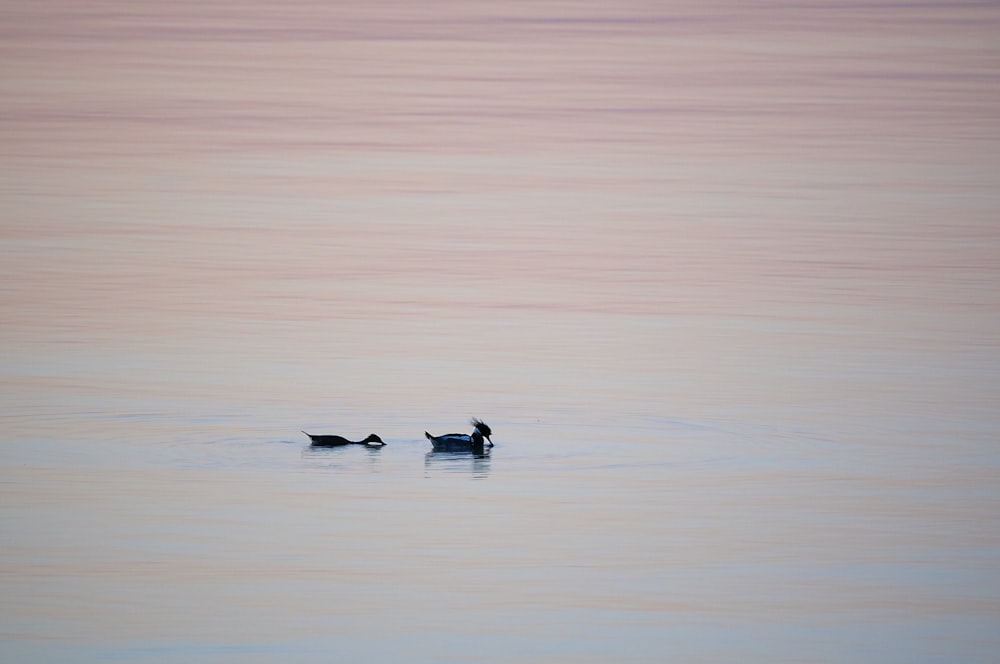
x=461 y=441
x=336 y=441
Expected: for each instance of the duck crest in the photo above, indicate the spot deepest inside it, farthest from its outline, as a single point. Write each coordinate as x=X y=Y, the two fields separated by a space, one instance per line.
x=481 y=427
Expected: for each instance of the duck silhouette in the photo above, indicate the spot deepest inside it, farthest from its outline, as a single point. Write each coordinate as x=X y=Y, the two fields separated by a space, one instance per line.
x=337 y=441
x=456 y=442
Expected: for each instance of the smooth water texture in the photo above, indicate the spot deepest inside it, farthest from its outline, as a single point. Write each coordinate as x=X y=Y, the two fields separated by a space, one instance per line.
x=723 y=277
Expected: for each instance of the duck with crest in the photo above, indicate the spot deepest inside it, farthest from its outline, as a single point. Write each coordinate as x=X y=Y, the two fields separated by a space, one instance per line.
x=456 y=442
x=337 y=441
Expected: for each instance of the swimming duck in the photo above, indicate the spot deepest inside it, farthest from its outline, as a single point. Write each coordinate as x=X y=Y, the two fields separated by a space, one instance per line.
x=461 y=441
x=335 y=441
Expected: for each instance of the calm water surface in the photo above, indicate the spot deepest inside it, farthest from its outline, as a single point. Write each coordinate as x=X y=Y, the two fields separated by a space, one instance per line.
x=722 y=277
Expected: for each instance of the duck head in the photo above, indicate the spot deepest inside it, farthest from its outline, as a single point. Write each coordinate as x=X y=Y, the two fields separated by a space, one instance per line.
x=373 y=441
x=481 y=430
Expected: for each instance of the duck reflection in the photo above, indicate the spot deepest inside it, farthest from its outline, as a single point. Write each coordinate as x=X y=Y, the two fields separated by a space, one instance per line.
x=476 y=462
x=344 y=456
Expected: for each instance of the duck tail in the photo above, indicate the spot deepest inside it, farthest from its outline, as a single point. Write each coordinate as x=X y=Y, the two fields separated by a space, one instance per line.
x=428 y=435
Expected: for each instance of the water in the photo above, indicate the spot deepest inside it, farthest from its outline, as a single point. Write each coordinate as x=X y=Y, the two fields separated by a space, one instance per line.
x=722 y=278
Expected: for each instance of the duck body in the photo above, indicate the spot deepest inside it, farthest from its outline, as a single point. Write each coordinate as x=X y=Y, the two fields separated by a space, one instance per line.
x=337 y=441
x=458 y=442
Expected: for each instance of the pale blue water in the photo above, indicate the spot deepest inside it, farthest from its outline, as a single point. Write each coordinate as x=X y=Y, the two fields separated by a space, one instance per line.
x=723 y=281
